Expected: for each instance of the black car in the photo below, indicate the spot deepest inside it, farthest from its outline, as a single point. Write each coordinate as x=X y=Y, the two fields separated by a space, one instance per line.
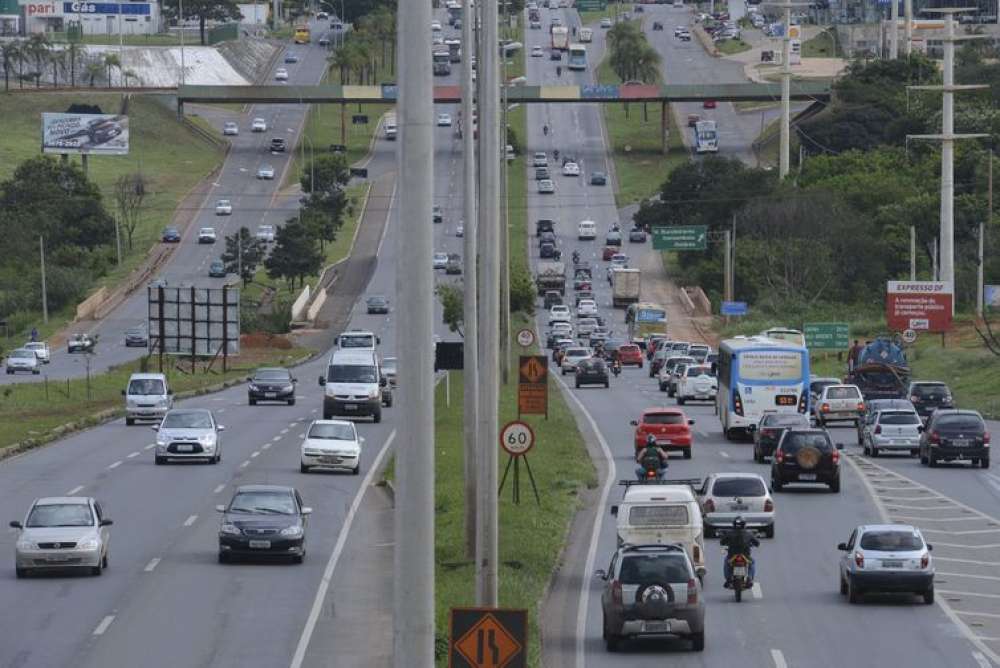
x=542 y=173
x=555 y=54
x=806 y=455
x=271 y=384
x=543 y=225
x=614 y=238
x=217 y=269
x=263 y=521
x=552 y=298
x=171 y=235
x=546 y=238
x=454 y=265
x=951 y=435
x=637 y=235
x=548 y=251
x=136 y=336
x=377 y=304
x=767 y=434
x=929 y=396
x=657 y=25
x=592 y=372
x=437 y=215
x=278 y=145
x=598 y=179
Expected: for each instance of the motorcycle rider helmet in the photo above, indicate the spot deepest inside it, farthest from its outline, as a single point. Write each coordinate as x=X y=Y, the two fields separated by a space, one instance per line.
x=739 y=523
x=650 y=441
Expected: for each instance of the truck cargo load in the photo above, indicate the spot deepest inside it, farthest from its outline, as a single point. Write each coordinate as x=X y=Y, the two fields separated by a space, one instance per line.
x=881 y=370
x=625 y=285
x=551 y=275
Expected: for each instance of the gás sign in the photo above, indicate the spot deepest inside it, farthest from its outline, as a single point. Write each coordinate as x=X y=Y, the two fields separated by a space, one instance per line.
x=919 y=305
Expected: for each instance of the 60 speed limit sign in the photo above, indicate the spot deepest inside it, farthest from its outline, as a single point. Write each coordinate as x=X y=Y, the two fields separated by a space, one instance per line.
x=517 y=438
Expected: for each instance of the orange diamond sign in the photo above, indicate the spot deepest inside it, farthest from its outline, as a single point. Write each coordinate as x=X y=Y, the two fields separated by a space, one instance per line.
x=533 y=369
x=488 y=638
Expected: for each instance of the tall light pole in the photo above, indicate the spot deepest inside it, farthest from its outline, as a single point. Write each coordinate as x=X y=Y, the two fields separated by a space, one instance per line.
x=413 y=560
x=786 y=85
x=180 y=21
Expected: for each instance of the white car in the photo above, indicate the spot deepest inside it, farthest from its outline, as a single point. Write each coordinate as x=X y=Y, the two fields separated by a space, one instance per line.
x=265 y=172
x=679 y=30
x=206 y=235
x=265 y=233
x=41 y=350
x=605 y=22
x=60 y=532
x=561 y=329
x=230 y=129
x=332 y=444
x=586 y=230
x=258 y=125
x=571 y=169
x=223 y=208
x=697 y=384
x=440 y=260
x=891 y=430
x=573 y=357
x=537 y=52
x=444 y=120
x=460 y=230
x=559 y=313
x=886 y=557
x=540 y=159
x=22 y=360
x=586 y=308
x=584 y=326
x=281 y=74
x=436 y=26
x=546 y=187
x=726 y=496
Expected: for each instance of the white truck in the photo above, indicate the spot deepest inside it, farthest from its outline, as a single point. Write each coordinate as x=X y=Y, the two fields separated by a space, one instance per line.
x=625 y=284
x=586 y=34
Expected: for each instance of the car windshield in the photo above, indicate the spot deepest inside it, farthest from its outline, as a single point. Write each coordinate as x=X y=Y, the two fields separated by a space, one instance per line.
x=376 y=300
x=817 y=386
x=60 y=515
x=929 y=389
x=663 y=418
x=187 y=420
x=271 y=503
x=899 y=417
x=646 y=516
x=891 y=541
x=272 y=374
x=22 y=353
x=739 y=487
x=351 y=373
x=843 y=393
x=785 y=420
x=959 y=423
x=357 y=341
x=640 y=569
x=334 y=432
x=135 y=331
x=577 y=352
x=146 y=386
x=699 y=371
x=794 y=442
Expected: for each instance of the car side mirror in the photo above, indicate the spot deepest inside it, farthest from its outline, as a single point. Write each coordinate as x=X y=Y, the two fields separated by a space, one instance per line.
x=599 y=573
x=306 y=510
x=752 y=428
x=634 y=423
x=106 y=522
x=378 y=340
x=930 y=548
x=170 y=392
x=295 y=380
x=220 y=427
x=220 y=509
x=921 y=429
x=690 y=422
x=382 y=382
x=249 y=379
x=123 y=393
x=840 y=446
x=14 y=524
x=842 y=547
x=322 y=381
x=155 y=427
x=614 y=511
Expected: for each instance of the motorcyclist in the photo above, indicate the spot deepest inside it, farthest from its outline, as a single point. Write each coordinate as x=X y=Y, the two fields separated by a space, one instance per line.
x=651 y=456
x=616 y=365
x=545 y=129
x=558 y=70
x=738 y=541
x=555 y=154
x=576 y=257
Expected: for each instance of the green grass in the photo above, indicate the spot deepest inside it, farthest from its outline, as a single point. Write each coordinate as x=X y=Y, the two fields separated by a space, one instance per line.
x=32 y=410
x=590 y=18
x=640 y=165
x=173 y=158
x=823 y=45
x=729 y=47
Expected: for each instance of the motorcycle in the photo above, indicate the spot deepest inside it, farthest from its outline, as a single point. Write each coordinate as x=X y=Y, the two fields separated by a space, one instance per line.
x=616 y=368
x=558 y=71
x=651 y=474
x=740 y=566
x=576 y=257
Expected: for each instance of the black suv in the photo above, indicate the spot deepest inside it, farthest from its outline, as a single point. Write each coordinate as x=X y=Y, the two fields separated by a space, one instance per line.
x=592 y=372
x=806 y=455
x=552 y=297
x=278 y=145
x=928 y=396
x=953 y=434
x=767 y=434
x=271 y=384
x=544 y=225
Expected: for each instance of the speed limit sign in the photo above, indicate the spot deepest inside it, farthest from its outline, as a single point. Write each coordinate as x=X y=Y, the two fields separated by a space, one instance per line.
x=517 y=438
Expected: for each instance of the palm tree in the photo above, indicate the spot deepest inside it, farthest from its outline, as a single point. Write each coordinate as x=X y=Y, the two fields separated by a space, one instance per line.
x=341 y=59
x=9 y=51
x=130 y=74
x=58 y=59
x=94 y=70
x=111 y=61
x=37 y=49
x=647 y=65
x=73 y=51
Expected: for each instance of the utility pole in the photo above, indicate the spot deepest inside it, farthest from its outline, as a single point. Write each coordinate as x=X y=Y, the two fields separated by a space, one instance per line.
x=727 y=284
x=913 y=252
x=413 y=562
x=948 y=138
x=786 y=85
x=908 y=29
x=45 y=297
x=894 y=31
x=504 y=233
x=470 y=308
x=489 y=308
x=979 y=273
x=118 y=242
x=180 y=21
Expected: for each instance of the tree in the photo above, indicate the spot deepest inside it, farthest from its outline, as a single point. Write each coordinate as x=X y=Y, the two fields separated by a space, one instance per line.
x=94 y=70
x=111 y=61
x=452 y=298
x=243 y=253
x=11 y=53
x=341 y=59
x=325 y=202
x=37 y=49
x=296 y=254
x=73 y=51
x=205 y=10
x=57 y=58
x=130 y=193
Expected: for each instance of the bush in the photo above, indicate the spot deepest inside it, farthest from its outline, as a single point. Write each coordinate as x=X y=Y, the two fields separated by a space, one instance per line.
x=522 y=291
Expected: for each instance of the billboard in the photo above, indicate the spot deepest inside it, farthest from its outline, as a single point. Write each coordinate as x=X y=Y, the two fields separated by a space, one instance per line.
x=194 y=320
x=991 y=296
x=923 y=306
x=95 y=134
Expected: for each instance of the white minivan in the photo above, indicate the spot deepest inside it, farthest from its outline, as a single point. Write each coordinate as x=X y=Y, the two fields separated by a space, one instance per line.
x=354 y=385
x=390 y=128
x=356 y=339
x=586 y=230
x=147 y=397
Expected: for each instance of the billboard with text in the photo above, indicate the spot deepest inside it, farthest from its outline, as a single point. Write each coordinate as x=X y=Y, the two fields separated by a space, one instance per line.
x=923 y=306
x=94 y=134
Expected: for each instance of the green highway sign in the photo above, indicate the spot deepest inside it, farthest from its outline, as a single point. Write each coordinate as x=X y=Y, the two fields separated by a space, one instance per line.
x=591 y=5
x=680 y=238
x=827 y=335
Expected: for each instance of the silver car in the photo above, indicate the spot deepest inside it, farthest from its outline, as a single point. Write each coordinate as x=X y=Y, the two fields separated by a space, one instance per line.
x=22 y=359
x=838 y=403
x=886 y=558
x=726 y=496
x=189 y=433
x=895 y=430
x=62 y=532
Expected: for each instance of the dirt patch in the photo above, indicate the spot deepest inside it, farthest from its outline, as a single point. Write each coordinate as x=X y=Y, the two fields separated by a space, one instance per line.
x=659 y=289
x=264 y=340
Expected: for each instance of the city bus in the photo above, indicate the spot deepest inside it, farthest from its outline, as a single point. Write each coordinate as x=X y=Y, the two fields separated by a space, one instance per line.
x=758 y=375
x=577 y=57
x=302 y=34
x=644 y=320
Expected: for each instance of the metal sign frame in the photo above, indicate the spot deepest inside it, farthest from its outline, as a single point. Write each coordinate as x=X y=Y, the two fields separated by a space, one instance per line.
x=194 y=322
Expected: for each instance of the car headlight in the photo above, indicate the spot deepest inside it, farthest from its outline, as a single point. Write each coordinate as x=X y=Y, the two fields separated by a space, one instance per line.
x=293 y=532
x=252 y=387
x=207 y=439
x=25 y=545
x=373 y=394
x=130 y=403
x=289 y=387
x=88 y=543
x=230 y=529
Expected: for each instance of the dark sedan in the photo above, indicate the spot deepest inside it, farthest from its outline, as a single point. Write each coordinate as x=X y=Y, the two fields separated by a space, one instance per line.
x=171 y=235
x=377 y=304
x=271 y=384
x=217 y=269
x=542 y=173
x=952 y=435
x=637 y=235
x=136 y=336
x=592 y=372
x=263 y=521
x=767 y=434
x=555 y=54
x=598 y=179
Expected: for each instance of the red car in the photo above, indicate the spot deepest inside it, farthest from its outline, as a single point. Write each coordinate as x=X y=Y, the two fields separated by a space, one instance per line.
x=670 y=426
x=608 y=252
x=651 y=345
x=708 y=104
x=630 y=354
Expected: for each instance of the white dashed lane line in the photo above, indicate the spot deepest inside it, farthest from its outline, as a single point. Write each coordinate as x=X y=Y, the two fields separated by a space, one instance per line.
x=779 y=658
x=245 y=464
x=150 y=446
x=266 y=446
x=255 y=453
x=115 y=465
x=219 y=489
x=103 y=626
x=152 y=564
x=133 y=454
x=74 y=491
x=191 y=520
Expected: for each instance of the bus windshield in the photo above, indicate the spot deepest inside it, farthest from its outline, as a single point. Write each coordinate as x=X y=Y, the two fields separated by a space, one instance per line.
x=651 y=315
x=766 y=365
x=577 y=57
x=302 y=34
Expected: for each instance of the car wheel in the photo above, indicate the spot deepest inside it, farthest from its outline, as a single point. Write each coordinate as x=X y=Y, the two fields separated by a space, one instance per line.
x=96 y=570
x=698 y=641
x=21 y=572
x=914 y=453
x=218 y=457
x=578 y=385
x=159 y=460
x=291 y=402
x=928 y=595
x=562 y=371
x=327 y=416
x=984 y=463
x=253 y=402
x=610 y=640
x=663 y=388
x=104 y=560
x=874 y=451
x=298 y=558
x=35 y=372
x=835 y=485
x=853 y=595
x=640 y=364
x=651 y=374
x=932 y=461
x=776 y=484
x=680 y=400
x=923 y=460
x=377 y=415
x=607 y=384
x=223 y=558
x=709 y=531
x=843 y=586
x=303 y=468
x=769 y=532
x=670 y=391
x=687 y=453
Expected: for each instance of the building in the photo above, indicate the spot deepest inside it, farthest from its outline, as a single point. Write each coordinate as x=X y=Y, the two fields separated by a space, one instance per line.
x=10 y=17
x=140 y=17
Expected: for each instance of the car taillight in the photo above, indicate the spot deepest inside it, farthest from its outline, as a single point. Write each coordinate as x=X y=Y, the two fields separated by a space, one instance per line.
x=767 y=432
x=803 y=405
x=769 y=506
x=616 y=591
x=934 y=438
x=859 y=559
x=835 y=456
x=925 y=560
x=737 y=402
x=692 y=592
x=914 y=398
x=986 y=438
x=779 y=456
x=710 y=506
x=861 y=406
x=878 y=429
x=825 y=408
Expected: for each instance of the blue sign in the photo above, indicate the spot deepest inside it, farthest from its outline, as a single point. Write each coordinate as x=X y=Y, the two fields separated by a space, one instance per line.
x=734 y=308
x=606 y=91
x=390 y=92
x=130 y=8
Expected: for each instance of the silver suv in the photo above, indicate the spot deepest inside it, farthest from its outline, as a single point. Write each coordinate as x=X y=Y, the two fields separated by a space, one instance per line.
x=652 y=590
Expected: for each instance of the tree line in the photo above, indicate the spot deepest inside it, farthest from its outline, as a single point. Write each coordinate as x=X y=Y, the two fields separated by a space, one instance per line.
x=36 y=60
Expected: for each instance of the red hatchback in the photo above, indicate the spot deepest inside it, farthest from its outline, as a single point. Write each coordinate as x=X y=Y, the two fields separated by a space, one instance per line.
x=670 y=426
x=609 y=252
x=630 y=354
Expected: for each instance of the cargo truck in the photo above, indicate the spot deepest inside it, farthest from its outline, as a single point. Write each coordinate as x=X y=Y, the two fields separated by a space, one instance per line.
x=551 y=276
x=625 y=284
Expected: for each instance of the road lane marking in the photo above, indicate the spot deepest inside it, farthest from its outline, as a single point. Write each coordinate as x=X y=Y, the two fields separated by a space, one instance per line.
x=74 y=491
x=191 y=520
x=116 y=464
x=103 y=626
x=990 y=615
x=152 y=564
x=134 y=454
x=724 y=454
x=757 y=592
x=245 y=464
x=284 y=431
x=276 y=438
x=967 y=561
x=219 y=488
x=778 y=658
x=255 y=453
x=338 y=548
x=970 y=532
x=982 y=660
x=150 y=446
x=266 y=446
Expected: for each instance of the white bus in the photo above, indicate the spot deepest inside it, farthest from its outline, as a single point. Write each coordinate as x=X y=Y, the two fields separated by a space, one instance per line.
x=577 y=57
x=757 y=374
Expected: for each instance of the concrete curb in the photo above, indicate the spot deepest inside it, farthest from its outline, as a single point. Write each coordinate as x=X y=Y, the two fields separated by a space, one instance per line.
x=706 y=42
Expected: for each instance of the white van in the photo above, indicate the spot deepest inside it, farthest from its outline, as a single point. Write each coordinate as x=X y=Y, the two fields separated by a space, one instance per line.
x=354 y=385
x=390 y=128
x=586 y=230
x=147 y=397
x=356 y=339
x=663 y=513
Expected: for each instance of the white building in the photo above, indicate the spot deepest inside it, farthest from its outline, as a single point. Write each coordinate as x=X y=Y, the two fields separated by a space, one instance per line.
x=96 y=18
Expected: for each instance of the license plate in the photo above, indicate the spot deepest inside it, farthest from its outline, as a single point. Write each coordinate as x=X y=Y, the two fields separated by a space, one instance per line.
x=656 y=627
x=889 y=563
x=57 y=560
x=807 y=476
x=739 y=506
x=350 y=407
x=740 y=571
x=270 y=395
x=185 y=448
x=330 y=460
x=260 y=544
x=960 y=442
